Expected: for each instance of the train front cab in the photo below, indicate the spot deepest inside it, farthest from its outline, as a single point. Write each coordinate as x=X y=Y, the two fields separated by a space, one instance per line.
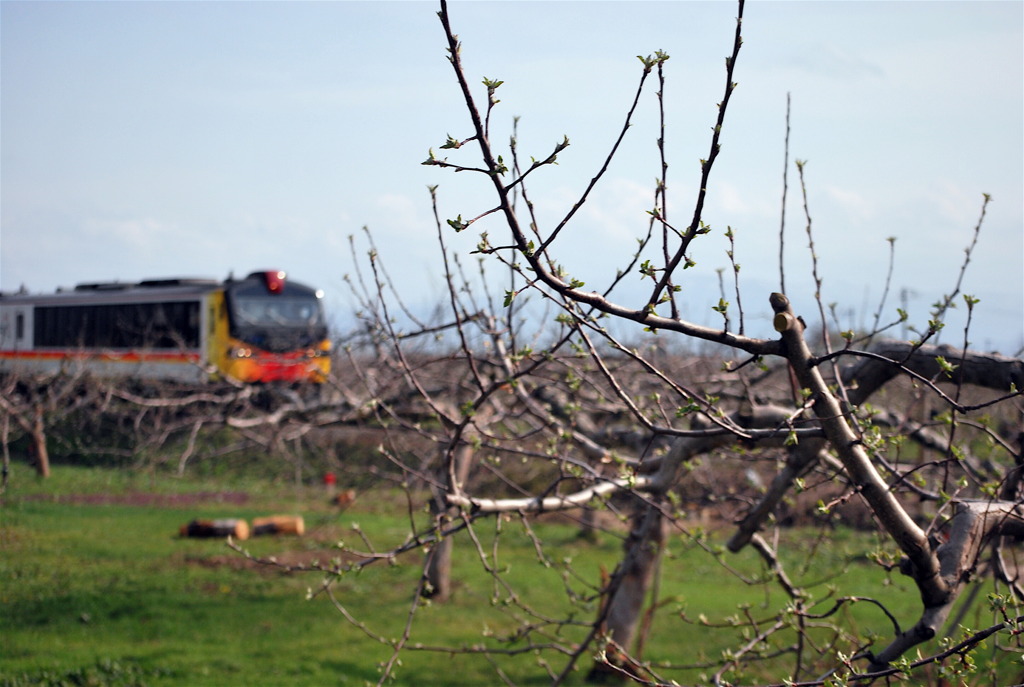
x=270 y=329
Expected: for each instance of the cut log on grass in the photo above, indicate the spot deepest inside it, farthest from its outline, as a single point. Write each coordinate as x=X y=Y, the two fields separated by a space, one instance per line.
x=227 y=527
x=279 y=524
x=344 y=499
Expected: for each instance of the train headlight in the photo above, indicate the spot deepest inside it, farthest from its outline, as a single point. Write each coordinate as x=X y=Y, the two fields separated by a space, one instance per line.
x=240 y=352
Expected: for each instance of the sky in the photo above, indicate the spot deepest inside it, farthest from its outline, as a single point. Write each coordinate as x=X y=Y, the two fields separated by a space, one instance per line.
x=154 y=139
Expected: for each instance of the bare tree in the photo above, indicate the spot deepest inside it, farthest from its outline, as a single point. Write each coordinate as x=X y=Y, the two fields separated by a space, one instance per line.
x=149 y=424
x=810 y=412
x=528 y=394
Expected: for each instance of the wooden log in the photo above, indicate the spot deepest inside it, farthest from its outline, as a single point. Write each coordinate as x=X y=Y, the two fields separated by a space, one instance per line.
x=279 y=524
x=344 y=499
x=225 y=527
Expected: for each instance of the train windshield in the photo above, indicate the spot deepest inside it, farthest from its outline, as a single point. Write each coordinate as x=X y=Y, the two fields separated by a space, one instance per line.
x=278 y=311
x=279 y=323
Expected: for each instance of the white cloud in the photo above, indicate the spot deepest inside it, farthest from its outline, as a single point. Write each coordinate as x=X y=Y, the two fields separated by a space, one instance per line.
x=953 y=203
x=748 y=202
x=145 y=233
x=851 y=202
x=619 y=210
x=833 y=63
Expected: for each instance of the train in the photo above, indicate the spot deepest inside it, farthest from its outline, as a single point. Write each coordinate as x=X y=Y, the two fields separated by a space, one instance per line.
x=263 y=328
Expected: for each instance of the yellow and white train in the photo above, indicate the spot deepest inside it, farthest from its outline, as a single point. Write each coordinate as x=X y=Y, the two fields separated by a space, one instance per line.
x=264 y=328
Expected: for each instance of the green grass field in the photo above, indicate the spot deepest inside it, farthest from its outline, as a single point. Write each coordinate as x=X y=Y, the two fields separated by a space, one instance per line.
x=100 y=590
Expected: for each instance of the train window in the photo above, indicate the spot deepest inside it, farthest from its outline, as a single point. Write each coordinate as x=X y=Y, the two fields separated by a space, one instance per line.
x=126 y=325
x=19 y=326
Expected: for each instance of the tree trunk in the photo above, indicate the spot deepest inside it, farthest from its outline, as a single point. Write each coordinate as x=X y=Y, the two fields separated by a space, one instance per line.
x=438 y=566
x=5 y=473
x=632 y=581
x=438 y=571
x=629 y=588
x=42 y=456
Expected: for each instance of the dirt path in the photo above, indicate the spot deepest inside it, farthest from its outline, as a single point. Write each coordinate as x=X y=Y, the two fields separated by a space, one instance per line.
x=139 y=498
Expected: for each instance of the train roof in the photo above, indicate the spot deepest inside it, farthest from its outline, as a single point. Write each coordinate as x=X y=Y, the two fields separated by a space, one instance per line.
x=117 y=291
x=146 y=290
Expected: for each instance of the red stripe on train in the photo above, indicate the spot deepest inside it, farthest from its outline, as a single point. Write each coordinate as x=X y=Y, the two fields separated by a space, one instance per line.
x=104 y=356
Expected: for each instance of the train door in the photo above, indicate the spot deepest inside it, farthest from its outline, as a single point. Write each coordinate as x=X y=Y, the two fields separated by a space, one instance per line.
x=16 y=328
